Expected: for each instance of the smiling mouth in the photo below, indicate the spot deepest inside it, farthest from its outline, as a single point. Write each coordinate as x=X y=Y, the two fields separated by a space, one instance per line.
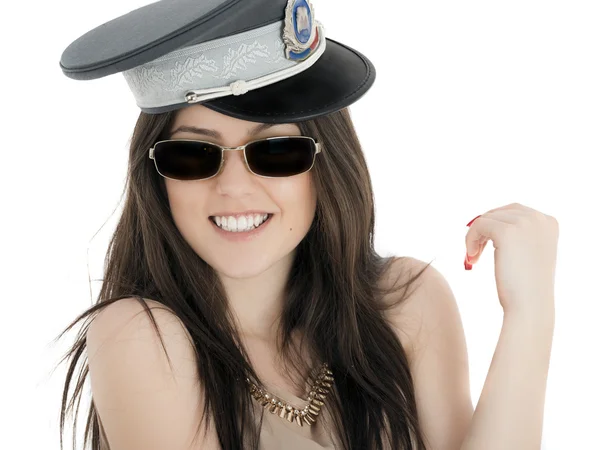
x=246 y=229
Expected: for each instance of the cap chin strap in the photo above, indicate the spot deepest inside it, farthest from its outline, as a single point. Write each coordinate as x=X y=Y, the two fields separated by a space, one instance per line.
x=254 y=58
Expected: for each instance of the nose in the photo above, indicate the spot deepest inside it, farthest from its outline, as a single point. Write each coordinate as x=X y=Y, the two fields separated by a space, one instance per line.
x=235 y=179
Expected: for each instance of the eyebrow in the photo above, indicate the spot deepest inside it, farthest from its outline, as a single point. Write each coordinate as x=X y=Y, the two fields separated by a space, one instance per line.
x=215 y=134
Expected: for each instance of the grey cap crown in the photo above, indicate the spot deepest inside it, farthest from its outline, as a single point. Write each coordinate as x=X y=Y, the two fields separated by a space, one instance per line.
x=149 y=32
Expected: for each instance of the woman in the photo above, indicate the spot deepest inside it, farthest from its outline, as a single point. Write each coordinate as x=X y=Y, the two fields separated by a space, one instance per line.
x=243 y=304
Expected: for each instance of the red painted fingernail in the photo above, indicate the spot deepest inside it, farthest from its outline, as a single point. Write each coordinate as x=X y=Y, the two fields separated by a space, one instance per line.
x=471 y=222
x=467 y=265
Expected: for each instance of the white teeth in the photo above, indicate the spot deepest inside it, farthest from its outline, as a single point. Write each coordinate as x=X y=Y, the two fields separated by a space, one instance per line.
x=243 y=223
x=232 y=224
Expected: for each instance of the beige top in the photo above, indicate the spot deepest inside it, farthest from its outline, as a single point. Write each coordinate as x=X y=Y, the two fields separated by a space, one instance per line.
x=277 y=433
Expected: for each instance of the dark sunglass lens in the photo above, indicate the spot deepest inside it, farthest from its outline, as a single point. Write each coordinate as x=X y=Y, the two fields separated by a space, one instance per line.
x=281 y=157
x=187 y=160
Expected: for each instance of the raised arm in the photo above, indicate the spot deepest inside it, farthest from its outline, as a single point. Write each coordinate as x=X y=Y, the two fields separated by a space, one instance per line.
x=509 y=412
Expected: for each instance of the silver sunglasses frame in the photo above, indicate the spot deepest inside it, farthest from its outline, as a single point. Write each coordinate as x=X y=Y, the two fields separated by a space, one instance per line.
x=242 y=148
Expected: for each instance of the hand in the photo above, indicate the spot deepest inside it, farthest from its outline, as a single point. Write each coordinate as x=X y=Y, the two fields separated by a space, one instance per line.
x=525 y=242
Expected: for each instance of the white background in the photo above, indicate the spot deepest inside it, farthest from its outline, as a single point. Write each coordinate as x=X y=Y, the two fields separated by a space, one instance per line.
x=476 y=105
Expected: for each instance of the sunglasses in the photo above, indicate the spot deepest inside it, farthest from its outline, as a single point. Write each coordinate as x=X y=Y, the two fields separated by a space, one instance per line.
x=274 y=157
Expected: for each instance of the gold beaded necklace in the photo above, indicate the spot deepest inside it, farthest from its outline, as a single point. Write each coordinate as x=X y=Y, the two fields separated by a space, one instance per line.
x=319 y=389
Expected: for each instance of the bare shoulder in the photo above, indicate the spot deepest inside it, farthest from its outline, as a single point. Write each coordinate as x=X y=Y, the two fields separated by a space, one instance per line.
x=429 y=326
x=145 y=399
x=128 y=315
x=429 y=299
x=127 y=319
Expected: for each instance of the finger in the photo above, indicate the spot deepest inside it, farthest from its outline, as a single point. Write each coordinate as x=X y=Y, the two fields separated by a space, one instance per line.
x=490 y=225
x=512 y=206
x=475 y=258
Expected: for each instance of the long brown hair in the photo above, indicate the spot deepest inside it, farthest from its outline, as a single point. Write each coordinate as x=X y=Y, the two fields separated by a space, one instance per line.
x=334 y=295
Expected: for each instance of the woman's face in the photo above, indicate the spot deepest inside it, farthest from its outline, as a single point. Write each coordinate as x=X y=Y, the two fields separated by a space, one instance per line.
x=291 y=200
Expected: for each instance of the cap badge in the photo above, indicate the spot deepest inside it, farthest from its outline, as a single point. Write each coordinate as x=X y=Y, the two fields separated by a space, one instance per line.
x=300 y=33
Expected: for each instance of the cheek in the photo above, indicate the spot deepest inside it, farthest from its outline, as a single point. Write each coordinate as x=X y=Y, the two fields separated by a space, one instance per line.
x=177 y=197
x=171 y=187
x=296 y=197
x=186 y=204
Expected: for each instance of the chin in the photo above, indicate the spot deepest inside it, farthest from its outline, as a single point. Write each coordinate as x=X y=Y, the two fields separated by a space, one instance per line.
x=240 y=272
x=249 y=265
x=238 y=266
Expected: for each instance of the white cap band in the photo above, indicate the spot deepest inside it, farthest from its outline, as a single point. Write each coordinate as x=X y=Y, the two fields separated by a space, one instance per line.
x=232 y=65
